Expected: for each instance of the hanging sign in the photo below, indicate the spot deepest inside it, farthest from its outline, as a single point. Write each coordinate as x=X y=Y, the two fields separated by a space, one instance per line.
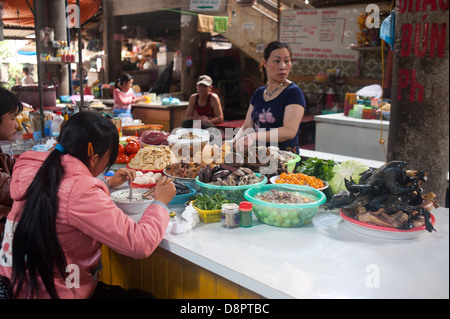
x=188 y=61
x=205 y=5
x=321 y=34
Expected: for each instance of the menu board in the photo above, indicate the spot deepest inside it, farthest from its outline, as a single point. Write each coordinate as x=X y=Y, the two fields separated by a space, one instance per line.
x=321 y=34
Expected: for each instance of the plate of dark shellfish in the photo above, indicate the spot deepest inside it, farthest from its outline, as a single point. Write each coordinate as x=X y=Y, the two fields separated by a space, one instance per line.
x=368 y=223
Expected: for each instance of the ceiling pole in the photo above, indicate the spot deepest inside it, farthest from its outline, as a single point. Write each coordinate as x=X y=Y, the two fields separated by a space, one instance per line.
x=278 y=18
x=80 y=57
x=38 y=7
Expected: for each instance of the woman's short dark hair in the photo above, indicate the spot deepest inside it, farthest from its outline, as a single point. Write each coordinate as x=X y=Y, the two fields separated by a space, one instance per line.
x=37 y=250
x=272 y=46
x=9 y=103
x=275 y=45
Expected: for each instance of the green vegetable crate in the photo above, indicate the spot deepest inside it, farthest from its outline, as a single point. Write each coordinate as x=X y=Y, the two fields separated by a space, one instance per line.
x=208 y=216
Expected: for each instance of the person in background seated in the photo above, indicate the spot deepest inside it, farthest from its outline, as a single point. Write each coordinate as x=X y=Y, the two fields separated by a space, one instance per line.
x=10 y=107
x=62 y=214
x=27 y=78
x=124 y=97
x=204 y=105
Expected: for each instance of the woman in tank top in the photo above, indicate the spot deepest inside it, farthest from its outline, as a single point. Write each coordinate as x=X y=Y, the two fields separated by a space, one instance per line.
x=204 y=105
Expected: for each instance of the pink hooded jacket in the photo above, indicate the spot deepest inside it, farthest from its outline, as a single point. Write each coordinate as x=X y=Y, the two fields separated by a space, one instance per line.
x=87 y=218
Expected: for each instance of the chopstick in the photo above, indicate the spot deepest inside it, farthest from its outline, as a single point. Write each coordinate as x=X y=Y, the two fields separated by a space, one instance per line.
x=151 y=190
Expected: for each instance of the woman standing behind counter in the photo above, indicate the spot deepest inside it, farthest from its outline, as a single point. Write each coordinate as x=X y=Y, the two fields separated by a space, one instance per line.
x=277 y=108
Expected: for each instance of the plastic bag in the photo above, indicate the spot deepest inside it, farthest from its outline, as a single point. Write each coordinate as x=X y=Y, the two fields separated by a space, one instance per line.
x=155 y=137
x=387 y=30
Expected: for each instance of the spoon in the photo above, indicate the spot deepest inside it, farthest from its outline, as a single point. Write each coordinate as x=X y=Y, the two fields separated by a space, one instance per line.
x=130 y=193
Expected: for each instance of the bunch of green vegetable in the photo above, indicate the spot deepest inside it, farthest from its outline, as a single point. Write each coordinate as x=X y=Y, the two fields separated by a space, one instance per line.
x=322 y=169
x=344 y=171
x=206 y=202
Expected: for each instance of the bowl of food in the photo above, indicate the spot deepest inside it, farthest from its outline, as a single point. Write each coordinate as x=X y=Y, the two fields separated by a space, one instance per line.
x=146 y=180
x=184 y=141
x=184 y=193
x=133 y=207
x=300 y=179
x=153 y=158
x=285 y=205
x=185 y=173
x=234 y=194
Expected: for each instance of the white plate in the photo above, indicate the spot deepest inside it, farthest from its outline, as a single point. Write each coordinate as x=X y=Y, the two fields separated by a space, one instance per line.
x=384 y=232
x=325 y=183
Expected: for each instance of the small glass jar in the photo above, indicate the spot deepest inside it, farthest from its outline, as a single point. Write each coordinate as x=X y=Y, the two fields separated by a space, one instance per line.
x=245 y=214
x=229 y=215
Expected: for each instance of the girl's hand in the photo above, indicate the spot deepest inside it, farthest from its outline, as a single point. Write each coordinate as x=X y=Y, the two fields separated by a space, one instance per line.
x=164 y=192
x=122 y=175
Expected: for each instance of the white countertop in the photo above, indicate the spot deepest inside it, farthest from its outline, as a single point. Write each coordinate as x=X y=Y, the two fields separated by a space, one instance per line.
x=324 y=259
x=340 y=118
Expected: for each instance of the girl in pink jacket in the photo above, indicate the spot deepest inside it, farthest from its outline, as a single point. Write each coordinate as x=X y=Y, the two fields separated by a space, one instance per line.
x=124 y=97
x=62 y=214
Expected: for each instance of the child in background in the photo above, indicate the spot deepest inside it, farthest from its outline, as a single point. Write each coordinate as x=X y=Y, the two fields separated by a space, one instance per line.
x=124 y=97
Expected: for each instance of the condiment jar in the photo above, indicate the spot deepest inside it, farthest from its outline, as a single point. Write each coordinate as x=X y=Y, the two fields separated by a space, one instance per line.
x=245 y=214
x=230 y=215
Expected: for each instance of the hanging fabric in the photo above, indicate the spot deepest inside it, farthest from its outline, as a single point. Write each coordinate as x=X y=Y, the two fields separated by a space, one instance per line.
x=220 y=24
x=205 y=23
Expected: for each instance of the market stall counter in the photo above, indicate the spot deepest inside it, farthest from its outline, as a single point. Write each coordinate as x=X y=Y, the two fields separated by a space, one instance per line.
x=323 y=259
x=169 y=115
x=348 y=136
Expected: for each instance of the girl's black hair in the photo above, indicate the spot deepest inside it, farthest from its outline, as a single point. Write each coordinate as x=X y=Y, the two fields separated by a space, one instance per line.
x=36 y=248
x=122 y=80
x=9 y=103
x=272 y=46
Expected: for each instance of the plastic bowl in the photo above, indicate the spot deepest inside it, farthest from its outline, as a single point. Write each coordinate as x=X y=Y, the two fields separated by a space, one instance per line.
x=134 y=209
x=234 y=194
x=285 y=215
x=290 y=165
x=181 y=199
x=190 y=182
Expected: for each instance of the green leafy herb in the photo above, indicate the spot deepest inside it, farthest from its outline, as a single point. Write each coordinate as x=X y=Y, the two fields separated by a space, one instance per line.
x=322 y=169
x=206 y=202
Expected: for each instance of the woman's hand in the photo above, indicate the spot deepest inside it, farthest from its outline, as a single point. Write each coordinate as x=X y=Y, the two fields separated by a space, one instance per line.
x=245 y=143
x=164 y=192
x=121 y=176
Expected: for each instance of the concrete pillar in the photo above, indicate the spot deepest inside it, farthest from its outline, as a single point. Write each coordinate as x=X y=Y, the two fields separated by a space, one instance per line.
x=191 y=49
x=113 y=45
x=57 y=21
x=419 y=130
x=52 y=14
